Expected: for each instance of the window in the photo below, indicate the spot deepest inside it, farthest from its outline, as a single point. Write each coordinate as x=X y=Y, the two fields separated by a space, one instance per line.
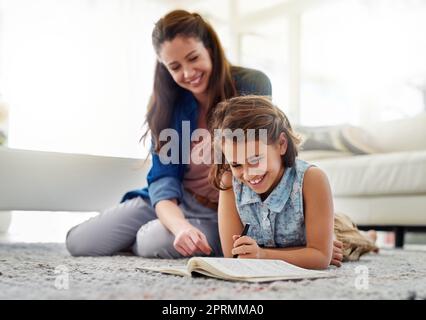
x=77 y=75
x=363 y=61
x=265 y=49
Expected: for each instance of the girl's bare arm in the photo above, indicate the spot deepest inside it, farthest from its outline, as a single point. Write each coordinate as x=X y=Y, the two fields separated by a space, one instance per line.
x=318 y=208
x=319 y=219
x=229 y=220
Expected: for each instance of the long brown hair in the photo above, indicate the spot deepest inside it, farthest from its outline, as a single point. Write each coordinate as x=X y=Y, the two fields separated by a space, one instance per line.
x=251 y=112
x=166 y=91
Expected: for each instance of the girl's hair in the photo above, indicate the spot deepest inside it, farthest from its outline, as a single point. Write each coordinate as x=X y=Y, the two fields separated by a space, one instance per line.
x=251 y=112
x=166 y=90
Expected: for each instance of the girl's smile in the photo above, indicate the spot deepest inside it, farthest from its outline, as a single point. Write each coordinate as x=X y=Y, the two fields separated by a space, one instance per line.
x=260 y=171
x=256 y=182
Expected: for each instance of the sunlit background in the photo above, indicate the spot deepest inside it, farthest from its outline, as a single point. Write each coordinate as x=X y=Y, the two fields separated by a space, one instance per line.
x=77 y=74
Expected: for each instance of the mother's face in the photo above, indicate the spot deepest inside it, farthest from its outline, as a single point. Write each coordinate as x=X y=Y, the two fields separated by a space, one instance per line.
x=188 y=62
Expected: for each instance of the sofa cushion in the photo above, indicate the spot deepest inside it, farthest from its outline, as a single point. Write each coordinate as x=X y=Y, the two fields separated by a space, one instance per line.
x=379 y=137
x=398 y=135
x=398 y=173
x=310 y=155
x=342 y=138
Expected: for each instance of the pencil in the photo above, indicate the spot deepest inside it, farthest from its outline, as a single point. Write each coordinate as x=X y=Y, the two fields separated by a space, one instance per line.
x=246 y=228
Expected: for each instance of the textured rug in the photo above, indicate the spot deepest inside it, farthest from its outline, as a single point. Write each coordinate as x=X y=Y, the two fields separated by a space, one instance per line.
x=47 y=271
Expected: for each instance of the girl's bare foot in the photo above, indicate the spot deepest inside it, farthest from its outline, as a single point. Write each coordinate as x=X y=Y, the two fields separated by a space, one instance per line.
x=372 y=234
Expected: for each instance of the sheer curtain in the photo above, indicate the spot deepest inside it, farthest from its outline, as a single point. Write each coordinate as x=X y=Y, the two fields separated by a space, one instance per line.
x=77 y=75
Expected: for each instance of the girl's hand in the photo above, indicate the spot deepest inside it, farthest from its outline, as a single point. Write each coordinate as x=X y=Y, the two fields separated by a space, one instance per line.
x=190 y=241
x=246 y=248
x=337 y=256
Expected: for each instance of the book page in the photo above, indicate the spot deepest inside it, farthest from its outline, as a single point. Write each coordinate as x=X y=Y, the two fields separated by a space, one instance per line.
x=258 y=268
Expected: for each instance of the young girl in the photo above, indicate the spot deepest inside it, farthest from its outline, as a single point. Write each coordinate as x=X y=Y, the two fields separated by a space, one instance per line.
x=287 y=201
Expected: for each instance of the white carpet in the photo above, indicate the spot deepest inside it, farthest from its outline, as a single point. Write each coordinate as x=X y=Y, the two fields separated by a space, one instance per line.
x=30 y=271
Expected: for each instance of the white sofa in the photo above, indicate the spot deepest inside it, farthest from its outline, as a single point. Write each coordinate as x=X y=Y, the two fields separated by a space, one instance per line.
x=52 y=181
x=385 y=189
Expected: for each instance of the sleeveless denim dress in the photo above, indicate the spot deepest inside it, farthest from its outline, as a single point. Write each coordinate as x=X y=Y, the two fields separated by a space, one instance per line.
x=279 y=220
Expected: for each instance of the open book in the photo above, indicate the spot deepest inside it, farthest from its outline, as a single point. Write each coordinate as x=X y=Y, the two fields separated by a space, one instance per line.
x=252 y=270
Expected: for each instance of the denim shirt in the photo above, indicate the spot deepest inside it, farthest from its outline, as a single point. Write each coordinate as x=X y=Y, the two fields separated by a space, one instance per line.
x=165 y=180
x=278 y=221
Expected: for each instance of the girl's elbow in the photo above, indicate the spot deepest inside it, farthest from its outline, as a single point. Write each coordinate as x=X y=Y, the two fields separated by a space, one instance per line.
x=322 y=259
x=323 y=263
x=320 y=263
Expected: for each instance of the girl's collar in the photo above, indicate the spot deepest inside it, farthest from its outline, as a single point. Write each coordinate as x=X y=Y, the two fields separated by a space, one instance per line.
x=276 y=199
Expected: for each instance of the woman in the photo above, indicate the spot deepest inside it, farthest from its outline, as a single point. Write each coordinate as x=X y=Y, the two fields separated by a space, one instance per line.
x=176 y=215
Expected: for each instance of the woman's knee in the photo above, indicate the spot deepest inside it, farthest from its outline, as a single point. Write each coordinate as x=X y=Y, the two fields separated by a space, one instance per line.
x=74 y=245
x=112 y=231
x=153 y=240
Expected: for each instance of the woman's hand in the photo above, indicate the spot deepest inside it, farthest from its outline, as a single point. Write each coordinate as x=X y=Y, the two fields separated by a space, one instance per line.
x=190 y=241
x=246 y=247
x=337 y=256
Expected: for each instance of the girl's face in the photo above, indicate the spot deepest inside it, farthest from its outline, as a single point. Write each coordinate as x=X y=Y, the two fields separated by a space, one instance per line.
x=256 y=164
x=188 y=62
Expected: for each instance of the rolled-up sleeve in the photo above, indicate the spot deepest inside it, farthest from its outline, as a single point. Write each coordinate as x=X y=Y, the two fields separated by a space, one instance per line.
x=165 y=188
